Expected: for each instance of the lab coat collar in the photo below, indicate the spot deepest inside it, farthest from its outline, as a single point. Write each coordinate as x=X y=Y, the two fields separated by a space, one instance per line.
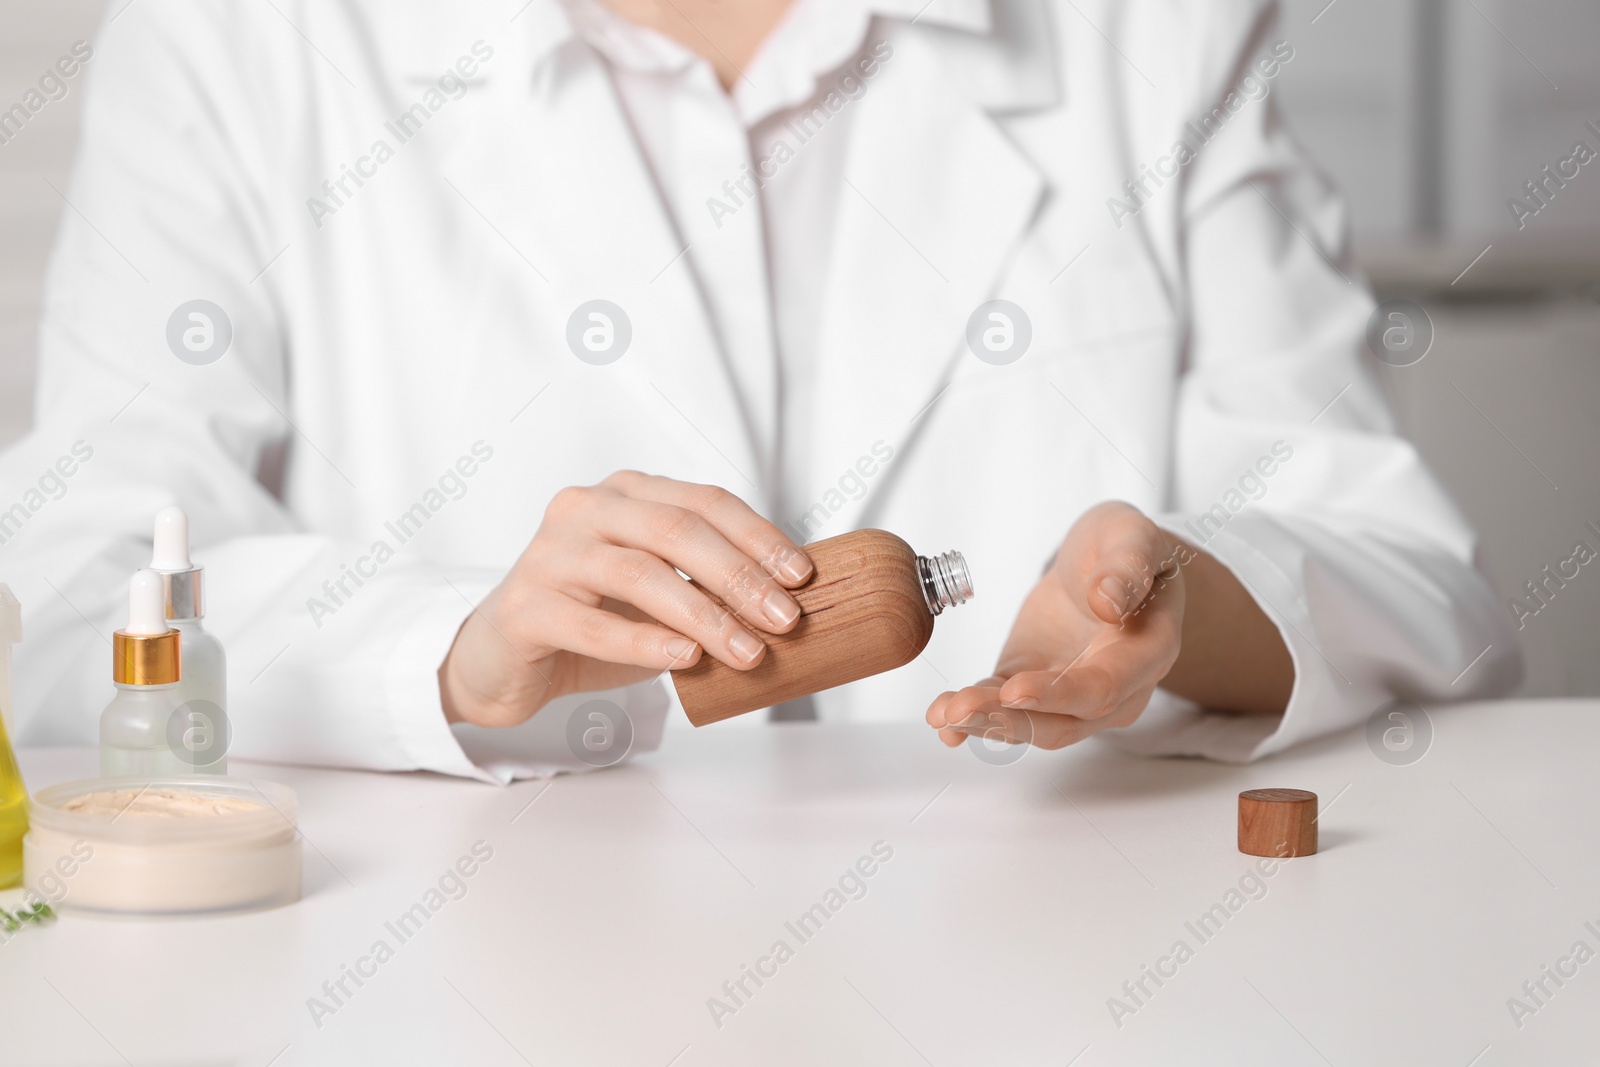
x=974 y=16
x=546 y=27
x=1001 y=51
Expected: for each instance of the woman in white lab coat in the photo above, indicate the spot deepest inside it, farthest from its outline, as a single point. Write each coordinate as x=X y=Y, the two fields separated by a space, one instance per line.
x=457 y=261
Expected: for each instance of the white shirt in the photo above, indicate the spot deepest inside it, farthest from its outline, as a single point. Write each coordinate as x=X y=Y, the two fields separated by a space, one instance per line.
x=400 y=399
x=752 y=177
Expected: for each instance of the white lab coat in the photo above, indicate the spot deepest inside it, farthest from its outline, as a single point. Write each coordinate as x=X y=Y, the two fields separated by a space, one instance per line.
x=422 y=326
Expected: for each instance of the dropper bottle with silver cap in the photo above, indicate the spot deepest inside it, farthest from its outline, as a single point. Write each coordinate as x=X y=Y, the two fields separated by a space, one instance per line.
x=146 y=663
x=203 y=692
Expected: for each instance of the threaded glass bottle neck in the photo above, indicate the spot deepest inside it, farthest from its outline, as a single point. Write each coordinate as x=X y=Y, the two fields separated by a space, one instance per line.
x=945 y=581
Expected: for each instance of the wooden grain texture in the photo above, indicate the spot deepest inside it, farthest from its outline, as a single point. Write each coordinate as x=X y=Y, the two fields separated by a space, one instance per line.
x=1277 y=822
x=861 y=613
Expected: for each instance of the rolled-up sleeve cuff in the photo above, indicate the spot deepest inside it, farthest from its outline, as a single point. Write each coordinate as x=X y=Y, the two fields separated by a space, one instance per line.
x=1172 y=726
x=413 y=681
x=537 y=748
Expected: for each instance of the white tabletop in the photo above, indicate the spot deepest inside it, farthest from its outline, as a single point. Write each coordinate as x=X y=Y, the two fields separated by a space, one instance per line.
x=1017 y=902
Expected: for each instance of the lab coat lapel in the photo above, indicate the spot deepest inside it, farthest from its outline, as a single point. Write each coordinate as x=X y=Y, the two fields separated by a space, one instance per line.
x=937 y=197
x=560 y=175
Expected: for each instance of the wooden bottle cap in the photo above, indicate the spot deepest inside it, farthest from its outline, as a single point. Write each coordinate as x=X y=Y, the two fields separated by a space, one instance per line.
x=1277 y=822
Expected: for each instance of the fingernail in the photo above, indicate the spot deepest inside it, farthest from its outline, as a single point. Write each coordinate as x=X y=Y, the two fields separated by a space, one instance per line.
x=1114 y=594
x=680 y=650
x=795 y=568
x=780 y=608
x=1024 y=703
x=746 y=646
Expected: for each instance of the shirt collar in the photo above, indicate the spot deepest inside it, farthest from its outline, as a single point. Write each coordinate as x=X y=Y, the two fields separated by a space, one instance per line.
x=1009 y=63
x=622 y=42
x=548 y=25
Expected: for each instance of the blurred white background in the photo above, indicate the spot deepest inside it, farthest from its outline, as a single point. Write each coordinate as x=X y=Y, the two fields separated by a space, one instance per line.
x=1430 y=114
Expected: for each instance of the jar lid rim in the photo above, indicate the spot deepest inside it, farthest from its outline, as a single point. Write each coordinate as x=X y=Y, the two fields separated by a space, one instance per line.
x=277 y=811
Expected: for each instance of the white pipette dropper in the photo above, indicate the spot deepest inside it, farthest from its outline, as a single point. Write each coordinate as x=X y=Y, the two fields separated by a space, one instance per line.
x=172 y=540
x=147 y=613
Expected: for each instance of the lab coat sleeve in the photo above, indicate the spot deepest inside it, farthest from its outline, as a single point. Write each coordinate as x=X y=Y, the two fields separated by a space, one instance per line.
x=1288 y=468
x=332 y=658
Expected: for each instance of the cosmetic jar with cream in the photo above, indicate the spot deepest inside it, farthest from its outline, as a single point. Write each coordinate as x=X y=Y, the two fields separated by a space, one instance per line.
x=164 y=847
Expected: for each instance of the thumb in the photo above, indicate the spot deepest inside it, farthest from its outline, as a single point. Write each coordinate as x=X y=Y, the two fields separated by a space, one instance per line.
x=1132 y=558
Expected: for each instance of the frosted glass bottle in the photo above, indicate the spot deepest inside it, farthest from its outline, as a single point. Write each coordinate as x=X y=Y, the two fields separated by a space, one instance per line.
x=203 y=691
x=136 y=727
x=133 y=733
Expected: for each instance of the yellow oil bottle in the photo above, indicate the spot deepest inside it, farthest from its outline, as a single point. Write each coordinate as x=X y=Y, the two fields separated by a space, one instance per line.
x=13 y=794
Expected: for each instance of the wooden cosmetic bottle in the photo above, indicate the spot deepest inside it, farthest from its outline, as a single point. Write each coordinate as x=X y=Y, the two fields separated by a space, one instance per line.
x=868 y=608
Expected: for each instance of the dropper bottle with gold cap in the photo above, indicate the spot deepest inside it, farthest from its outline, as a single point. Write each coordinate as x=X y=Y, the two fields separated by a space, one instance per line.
x=145 y=667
